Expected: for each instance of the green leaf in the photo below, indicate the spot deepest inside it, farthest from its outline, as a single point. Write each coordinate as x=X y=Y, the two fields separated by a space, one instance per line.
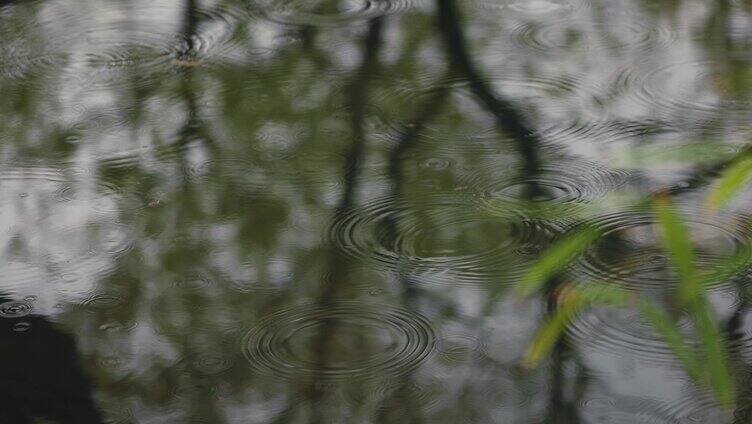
x=727 y=268
x=733 y=178
x=574 y=299
x=679 y=246
x=713 y=347
x=555 y=259
x=663 y=323
x=604 y=294
x=551 y=330
x=692 y=294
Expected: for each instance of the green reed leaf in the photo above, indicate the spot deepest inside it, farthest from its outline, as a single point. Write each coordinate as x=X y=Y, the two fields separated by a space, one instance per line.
x=556 y=259
x=679 y=246
x=692 y=294
x=604 y=294
x=664 y=324
x=573 y=300
x=716 y=363
x=730 y=182
x=551 y=331
x=727 y=268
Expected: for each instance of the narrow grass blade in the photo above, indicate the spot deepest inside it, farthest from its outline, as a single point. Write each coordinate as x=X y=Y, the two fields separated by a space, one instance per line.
x=727 y=268
x=555 y=259
x=551 y=331
x=663 y=323
x=605 y=294
x=573 y=300
x=713 y=347
x=692 y=294
x=679 y=246
x=732 y=180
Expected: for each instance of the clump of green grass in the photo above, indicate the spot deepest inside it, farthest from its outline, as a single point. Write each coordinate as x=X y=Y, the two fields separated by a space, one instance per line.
x=705 y=359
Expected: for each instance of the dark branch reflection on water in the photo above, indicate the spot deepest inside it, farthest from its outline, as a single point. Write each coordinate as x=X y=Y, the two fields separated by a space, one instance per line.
x=287 y=211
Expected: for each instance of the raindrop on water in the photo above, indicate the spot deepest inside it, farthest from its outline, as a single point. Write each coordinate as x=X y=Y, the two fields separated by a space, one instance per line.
x=15 y=309
x=21 y=327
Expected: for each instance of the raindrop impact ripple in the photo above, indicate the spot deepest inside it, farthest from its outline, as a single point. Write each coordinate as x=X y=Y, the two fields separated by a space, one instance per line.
x=338 y=341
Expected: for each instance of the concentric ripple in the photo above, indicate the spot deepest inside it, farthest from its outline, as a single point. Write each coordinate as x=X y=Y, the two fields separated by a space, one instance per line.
x=238 y=173
x=695 y=406
x=562 y=181
x=577 y=36
x=21 y=327
x=22 y=65
x=15 y=309
x=103 y=197
x=697 y=90
x=563 y=95
x=344 y=340
x=35 y=44
x=601 y=129
x=102 y=302
x=143 y=53
x=443 y=243
x=670 y=156
x=533 y=8
x=44 y=178
x=630 y=253
x=66 y=187
x=622 y=331
x=536 y=7
x=624 y=410
x=75 y=253
x=212 y=364
x=386 y=395
x=319 y=13
x=456 y=348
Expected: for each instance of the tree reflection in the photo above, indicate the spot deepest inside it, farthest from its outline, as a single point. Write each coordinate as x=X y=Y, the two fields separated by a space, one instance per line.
x=230 y=167
x=41 y=374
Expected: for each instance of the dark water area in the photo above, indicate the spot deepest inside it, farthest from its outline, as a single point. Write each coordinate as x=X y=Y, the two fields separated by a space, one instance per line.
x=320 y=211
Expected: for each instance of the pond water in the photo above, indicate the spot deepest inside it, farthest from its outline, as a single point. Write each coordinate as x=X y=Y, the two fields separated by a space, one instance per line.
x=317 y=211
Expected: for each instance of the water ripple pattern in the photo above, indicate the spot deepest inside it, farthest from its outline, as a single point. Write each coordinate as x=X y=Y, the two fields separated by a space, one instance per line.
x=90 y=251
x=694 y=91
x=57 y=247
x=15 y=309
x=631 y=254
x=561 y=94
x=71 y=187
x=626 y=410
x=20 y=65
x=533 y=8
x=446 y=243
x=622 y=331
x=143 y=53
x=319 y=13
x=565 y=37
x=560 y=181
x=339 y=341
x=39 y=47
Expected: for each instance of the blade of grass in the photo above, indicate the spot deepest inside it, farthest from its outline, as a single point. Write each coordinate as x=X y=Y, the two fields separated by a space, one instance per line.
x=727 y=268
x=555 y=259
x=550 y=332
x=679 y=246
x=731 y=181
x=692 y=294
x=573 y=300
x=719 y=375
x=604 y=294
x=663 y=323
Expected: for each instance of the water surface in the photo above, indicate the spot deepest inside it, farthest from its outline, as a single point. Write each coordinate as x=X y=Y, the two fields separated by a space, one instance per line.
x=291 y=211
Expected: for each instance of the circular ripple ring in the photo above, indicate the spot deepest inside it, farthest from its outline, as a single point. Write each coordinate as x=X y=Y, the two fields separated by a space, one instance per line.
x=270 y=347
